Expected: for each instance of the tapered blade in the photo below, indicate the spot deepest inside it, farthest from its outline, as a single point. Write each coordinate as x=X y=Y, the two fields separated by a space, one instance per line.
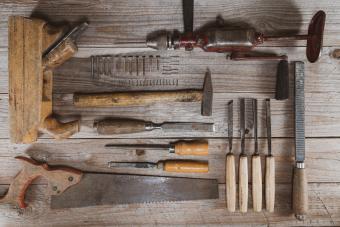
x=188 y=127
x=105 y=189
x=207 y=101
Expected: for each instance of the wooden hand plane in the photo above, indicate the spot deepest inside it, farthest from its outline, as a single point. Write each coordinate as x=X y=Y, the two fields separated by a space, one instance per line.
x=35 y=49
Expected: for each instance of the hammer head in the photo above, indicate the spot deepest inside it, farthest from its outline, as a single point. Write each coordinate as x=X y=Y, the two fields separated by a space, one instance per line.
x=207 y=95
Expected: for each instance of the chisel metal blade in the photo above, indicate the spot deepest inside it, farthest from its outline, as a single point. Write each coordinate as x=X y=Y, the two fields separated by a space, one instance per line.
x=182 y=126
x=105 y=189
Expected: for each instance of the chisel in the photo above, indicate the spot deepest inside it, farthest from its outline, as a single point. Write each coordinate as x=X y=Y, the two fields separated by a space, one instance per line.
x=243 y=165
x=195 y=147
x=300 y=190
x=176 y=166
x=230 y=164
x=270 y=164
x=126 y=126
x=256 y=167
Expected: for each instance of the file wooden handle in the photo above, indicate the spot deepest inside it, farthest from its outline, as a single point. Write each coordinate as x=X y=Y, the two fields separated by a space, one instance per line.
x=230 y=182
x=300 y=193
x=270 y=183
x=257 y=183
x=243 y=184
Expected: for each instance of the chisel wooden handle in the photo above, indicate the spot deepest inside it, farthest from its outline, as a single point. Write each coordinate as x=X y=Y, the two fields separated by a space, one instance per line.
x=270 y=183
x=119 y=126
x=257 y=183
x=300 y=193
x=243 y=184
x=183 y=166
x=58 y=180
x=230 y=182
x=59 y=130
x=198 y=148
x=135 y=98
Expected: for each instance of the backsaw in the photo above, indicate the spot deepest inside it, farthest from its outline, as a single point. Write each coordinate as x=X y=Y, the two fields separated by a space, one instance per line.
x=70 y=187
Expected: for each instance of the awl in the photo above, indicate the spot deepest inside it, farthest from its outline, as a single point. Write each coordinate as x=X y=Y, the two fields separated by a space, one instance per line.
x=175 y=166
x=126 y=126
x=70 y=187
x=194 y=147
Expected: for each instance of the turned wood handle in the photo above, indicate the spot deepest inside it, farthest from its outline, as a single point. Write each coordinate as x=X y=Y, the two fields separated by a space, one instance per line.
x=257 y=183
x=182 y=166
x=243 y=184
x=60 y=130
x=119 y=126
x=59 y=179
x=198 y=148
x=135 y=98
x=230 y=182
x=270 y=183
x=61 y=54
x=300 y=193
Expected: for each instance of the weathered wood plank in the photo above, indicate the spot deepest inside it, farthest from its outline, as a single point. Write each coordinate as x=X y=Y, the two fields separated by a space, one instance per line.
x=323 y=211
x=91 y=155
x=113 y=22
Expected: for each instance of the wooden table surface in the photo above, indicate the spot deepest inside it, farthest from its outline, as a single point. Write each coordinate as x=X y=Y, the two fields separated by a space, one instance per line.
x=114 y=22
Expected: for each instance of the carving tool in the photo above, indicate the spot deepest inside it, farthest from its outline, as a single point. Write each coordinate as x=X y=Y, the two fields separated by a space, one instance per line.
x=175 y=166
x=149 y=97
x=300 y=184
x=230 y=164
x=70 y=187
x=195 y=147
x=270 y=164
x=126 y=126
x=256 y=167
x=243 y=165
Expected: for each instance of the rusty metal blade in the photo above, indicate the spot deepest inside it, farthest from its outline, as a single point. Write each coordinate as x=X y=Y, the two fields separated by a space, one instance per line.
x=188 y=127
x=105 y=189
x=207 y=95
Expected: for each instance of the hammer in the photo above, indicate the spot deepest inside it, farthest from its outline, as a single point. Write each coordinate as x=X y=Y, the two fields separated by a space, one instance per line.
x=205 y=96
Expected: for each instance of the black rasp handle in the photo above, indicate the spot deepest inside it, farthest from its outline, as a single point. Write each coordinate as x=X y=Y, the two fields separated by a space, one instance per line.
x=282 y=81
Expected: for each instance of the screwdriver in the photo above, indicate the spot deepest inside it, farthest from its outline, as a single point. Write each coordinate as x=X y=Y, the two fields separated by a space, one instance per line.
x=256 y=167
x=243 y=165
x=230 y=164
x=195 y=147
x=270 y=164
x=176 y=166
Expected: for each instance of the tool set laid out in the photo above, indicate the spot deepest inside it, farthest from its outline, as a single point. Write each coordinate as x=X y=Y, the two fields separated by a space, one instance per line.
x=36 y=48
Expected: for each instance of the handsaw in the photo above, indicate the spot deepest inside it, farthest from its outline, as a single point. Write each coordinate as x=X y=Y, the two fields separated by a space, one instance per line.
x=70 y=187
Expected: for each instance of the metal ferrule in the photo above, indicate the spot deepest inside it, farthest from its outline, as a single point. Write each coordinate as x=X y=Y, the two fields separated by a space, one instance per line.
x=149 y=126
x=172 y=149
x=300 y=165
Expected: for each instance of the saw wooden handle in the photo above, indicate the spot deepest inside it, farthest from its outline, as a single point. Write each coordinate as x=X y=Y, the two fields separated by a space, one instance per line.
x=198 y=148
x=257 y=183
x=183 y=166
x=270 y=183
x=58 y=181
x=135 y=98
x=119 y=126
x=230 y=182
x=60 y=130
x=300 y=193
x=243 y=184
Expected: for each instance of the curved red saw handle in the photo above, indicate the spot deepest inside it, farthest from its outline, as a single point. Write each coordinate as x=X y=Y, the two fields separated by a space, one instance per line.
x=59 y=179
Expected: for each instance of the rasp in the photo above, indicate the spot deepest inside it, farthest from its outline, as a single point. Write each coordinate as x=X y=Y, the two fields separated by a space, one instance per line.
x=300 y=196
x=70 y=187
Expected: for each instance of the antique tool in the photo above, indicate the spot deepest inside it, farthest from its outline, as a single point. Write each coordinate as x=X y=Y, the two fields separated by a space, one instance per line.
x=300 y=185
x=220 y=38
x=230 y=164
x=126 y=126
x=256 y=167
x=194 y=147
x=176 y=166
x=70 y=187
x=148 y=97
x=243 y=165
x=35 y=49
x=270 y=164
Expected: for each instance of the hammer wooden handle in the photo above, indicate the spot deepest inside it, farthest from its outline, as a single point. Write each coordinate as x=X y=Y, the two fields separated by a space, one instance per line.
x=183 y=166
x=243 y=184
x=230 y=182
x=198 y=148
x=135 y=98
x=270 y=183
x=58 y=180
x=300 y=193
x=257 y=183
x=120 y=126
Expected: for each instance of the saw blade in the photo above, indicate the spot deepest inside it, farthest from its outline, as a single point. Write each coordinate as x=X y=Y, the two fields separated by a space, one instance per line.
x=183 y=126
x=105 y=189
